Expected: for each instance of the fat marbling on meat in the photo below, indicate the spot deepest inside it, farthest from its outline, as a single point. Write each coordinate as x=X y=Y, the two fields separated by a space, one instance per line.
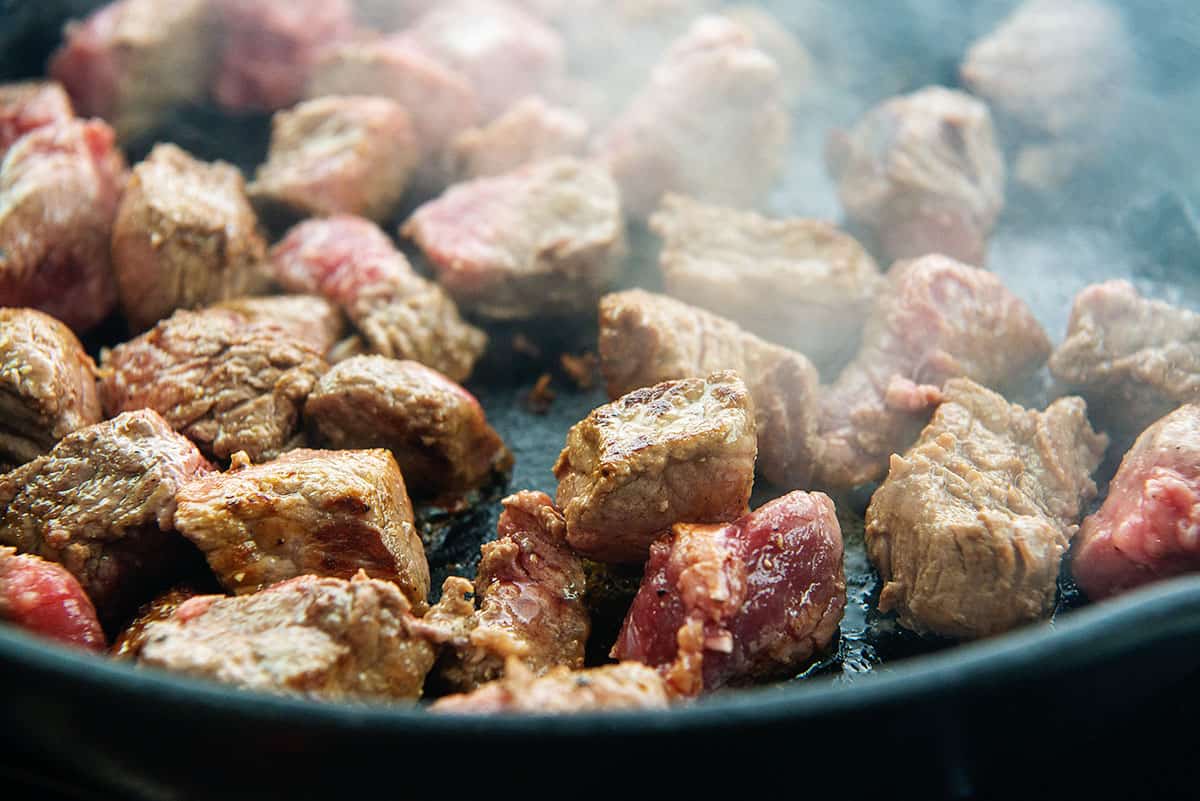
x=28 y=105
x=528 y=131
x=628 y=685
x=42 y=598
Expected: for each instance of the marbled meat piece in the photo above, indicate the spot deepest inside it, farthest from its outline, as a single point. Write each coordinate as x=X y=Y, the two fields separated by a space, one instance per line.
x=530 y=130
x=969 y=529
x=44 y=599
x=28 y=105
x=309 y=318
x=129 y=642
x=628 y=685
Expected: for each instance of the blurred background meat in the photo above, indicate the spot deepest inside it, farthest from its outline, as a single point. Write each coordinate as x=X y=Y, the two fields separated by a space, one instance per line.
x=528 y=131
x=29 y=105
x=44 y=599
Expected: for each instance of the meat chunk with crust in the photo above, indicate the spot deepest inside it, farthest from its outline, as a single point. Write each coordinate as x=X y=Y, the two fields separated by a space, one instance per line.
x=545 y=239
x=628 y=685
x=324 y=513
x=969 y=529
x=225 y=382
x=646 y=339
x=47 y=384
x=102 y=504
x=745 y=601
x=129 y=642
x=801 y=283
x=531 y=130
x=1149 y=526
x=43 y=598
x=325 y=638
x=936 y=319
x=307 y=318
x=436 y=429
x=678 y=451
x=29 y=105
x=923 y=173
x=59 y=189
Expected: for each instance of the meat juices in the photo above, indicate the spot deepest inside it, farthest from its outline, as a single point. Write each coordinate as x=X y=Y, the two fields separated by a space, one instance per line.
x=44 y=599
x=308 y=318
x=102 y=503
x=1149 y=526
x=969 y=529
x=59 y=189
x=29 y=105
x=436 y=429
x=131 y=61
x=748 y=600
x=338 y=155
x=647 y=338
x=546 y=239
x=680 y=450
x=624 y=686
x=531 y=130
x=225 y=382
x=47 y=384
x=324 y=513
x=711 y=123
x=319 y=637
x=801 y=283
x=923 y=173
x=935 y=319
x=1132 y=358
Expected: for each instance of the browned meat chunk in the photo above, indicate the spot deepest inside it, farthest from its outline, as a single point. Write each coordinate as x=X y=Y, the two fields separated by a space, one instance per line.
x=44 y=599
x=543 y=240
x=529 y=131
x=30 y=105
x=308 y=318
x=338 y=155
x=680 y=450
x=936 y=319
x=59 y=189
x=712 y=123
x=102 y=503
x=1132 y=358
x=130 y=641
x=923 y=173
x=801 y=283
x=227 y=383
x=647 y=338
x=730 y=604
x=969 y=529
x=132 y=60
x=625 y=686
x=324 y=513
x=436 y=429
x=1149 y=526
x=47 y=384
x=319 y=637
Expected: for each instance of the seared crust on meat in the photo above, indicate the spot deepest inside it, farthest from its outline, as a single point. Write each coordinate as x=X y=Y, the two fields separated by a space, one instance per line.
x=308 y=318
x=624 y=686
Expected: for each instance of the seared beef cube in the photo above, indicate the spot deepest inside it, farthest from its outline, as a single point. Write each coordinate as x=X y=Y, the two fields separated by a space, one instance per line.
x=774 y=39
x=732 y=604
x=30 y=105
x=324 y=513
x=647 y=338
x=680 y=450
x=923 y=173
x=338 y=155
x=801 y=283
x=308 y=318
x=543 y=240
x=227 y=383
x=318 y=637
x=1149 y=526
x=712 y=123
x=936 y=319
x=436 y=429
x=44 y=599
x=102 y=503
x=625 y=686
x=131 y=639
x=1132 y=358
x=131 y=61
x=425 y=326
x=532 y=130
x=59 y=189
x=47 y=384
x=969 y=529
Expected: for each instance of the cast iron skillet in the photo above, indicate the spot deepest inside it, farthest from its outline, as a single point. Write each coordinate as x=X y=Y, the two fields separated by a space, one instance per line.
x=1049 y=710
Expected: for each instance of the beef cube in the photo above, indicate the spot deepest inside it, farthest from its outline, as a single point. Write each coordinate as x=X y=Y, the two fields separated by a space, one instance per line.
x=922 y=172
x=131 y=61
x=338 y=155
x=225 y=382
x=531 y=130
x=324 y=513
x=30 y=105
x=712 y=123
x=436 y=429
x=801 y=283
x=562 y=690
x=425 y=326
x=323 y=638
x=647 y=338
x=102 y=503
x=1149 y=526
x=774 y=39
x=936 y=319
x=308 y=318
x=735 y=603
x=546 y=239
x=44 y=599
x=59 y=189
x=129 y=642
x=680 y=450
x=1132 y=358
x=969 y=529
